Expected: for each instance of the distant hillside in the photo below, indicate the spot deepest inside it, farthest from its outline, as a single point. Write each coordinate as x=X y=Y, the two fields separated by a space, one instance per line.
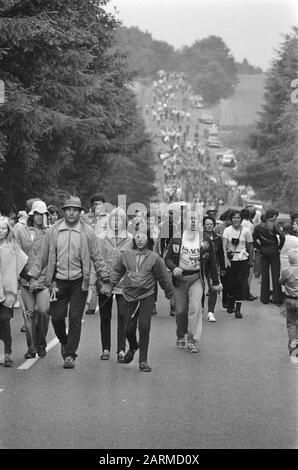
x=242 y=108
x=245 y=68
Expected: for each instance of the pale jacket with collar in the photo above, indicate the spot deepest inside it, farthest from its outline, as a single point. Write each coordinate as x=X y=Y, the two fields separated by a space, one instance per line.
x=89 y=249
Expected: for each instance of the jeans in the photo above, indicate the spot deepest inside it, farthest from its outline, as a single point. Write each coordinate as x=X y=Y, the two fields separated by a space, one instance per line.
x=270 y=258
x=292 y=321
x=5 y=330
x=188 y=304
x=36 y=317
x=139 y=313
x=70 y=292
x=105 y=321
x=212 y=297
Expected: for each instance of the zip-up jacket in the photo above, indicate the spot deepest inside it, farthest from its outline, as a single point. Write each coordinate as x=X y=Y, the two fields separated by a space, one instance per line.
x=139 y=281
x=111 y=249
x=32 y=250
x=218 y=248
x=89 y=252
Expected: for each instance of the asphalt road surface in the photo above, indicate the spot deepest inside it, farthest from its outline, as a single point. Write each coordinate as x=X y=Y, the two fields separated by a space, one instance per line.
x=239 y=391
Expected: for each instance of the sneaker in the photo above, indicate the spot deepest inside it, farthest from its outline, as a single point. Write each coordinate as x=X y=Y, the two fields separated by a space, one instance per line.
x=23 y=329
x=172 y=312
x=120 y=356
x=191 y=347
x=144 y=367
x=29 y=355
x=180 y=343
x=105 y=355
x=8 y=362
x=211 y=317
x=69 y=363
x=154 y=311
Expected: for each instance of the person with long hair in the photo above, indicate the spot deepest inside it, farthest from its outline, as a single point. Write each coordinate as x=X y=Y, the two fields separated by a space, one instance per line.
x=209 y=225
x=140 y=268
x=115 y=240
x=189 y=258
x=34 y=294
x=54 y=214
x=238 y=253
x=12 y=262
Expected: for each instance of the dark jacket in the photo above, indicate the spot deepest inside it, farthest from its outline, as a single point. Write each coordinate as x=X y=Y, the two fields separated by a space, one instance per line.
x=218 y=248
x=265 y=235
x=207 y=259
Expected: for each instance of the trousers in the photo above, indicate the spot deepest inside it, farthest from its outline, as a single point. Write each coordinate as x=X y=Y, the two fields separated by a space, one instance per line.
x=70 y=294
x=139 y=315
x=188 y=294
x=36 y=317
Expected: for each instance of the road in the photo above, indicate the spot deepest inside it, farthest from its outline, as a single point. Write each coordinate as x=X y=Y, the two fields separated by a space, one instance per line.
x=239 y=391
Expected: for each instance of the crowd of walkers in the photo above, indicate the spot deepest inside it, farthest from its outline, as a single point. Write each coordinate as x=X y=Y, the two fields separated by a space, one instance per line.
x=185 y=159
x=64 y=262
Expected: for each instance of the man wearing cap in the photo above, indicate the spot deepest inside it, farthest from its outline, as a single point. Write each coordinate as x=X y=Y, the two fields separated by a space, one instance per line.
x=70 y=247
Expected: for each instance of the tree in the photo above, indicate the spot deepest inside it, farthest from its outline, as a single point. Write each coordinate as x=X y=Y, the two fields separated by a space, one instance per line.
x=211 y=68
x=145 y=55
x=273 y=171
x=68 y=101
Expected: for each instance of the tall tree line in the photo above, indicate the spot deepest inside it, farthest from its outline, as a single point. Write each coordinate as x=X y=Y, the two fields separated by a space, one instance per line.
x=70 y=122
x=272 y=169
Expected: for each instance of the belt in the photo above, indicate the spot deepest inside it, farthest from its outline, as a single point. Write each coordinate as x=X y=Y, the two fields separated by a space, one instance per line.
x=291 y=297
x=188 y=273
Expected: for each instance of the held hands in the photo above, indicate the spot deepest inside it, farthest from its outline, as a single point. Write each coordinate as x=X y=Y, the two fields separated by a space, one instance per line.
x=33 y=284
x=177 y=272
x=106 y=289
x=218 y=288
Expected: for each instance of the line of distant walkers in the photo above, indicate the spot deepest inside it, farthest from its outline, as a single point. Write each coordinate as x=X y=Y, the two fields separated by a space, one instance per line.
x=63 y=266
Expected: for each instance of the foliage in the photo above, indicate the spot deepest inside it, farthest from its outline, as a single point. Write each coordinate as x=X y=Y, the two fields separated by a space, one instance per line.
x=145 y=55
x=211 y=68
x=246 y=68
x=208 y=63
x=273 y=173
x=69 y=106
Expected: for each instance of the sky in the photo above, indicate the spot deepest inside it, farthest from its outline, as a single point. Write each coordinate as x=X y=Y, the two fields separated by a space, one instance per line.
x=250 y=28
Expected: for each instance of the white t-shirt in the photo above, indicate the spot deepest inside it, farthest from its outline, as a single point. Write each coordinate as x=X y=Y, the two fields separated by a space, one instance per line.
x=290 y=242
x=190 y=253
x=246 y=223
x=245 y=236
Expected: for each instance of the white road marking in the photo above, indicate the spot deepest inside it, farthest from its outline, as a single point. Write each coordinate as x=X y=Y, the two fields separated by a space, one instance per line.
x=29 y=362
